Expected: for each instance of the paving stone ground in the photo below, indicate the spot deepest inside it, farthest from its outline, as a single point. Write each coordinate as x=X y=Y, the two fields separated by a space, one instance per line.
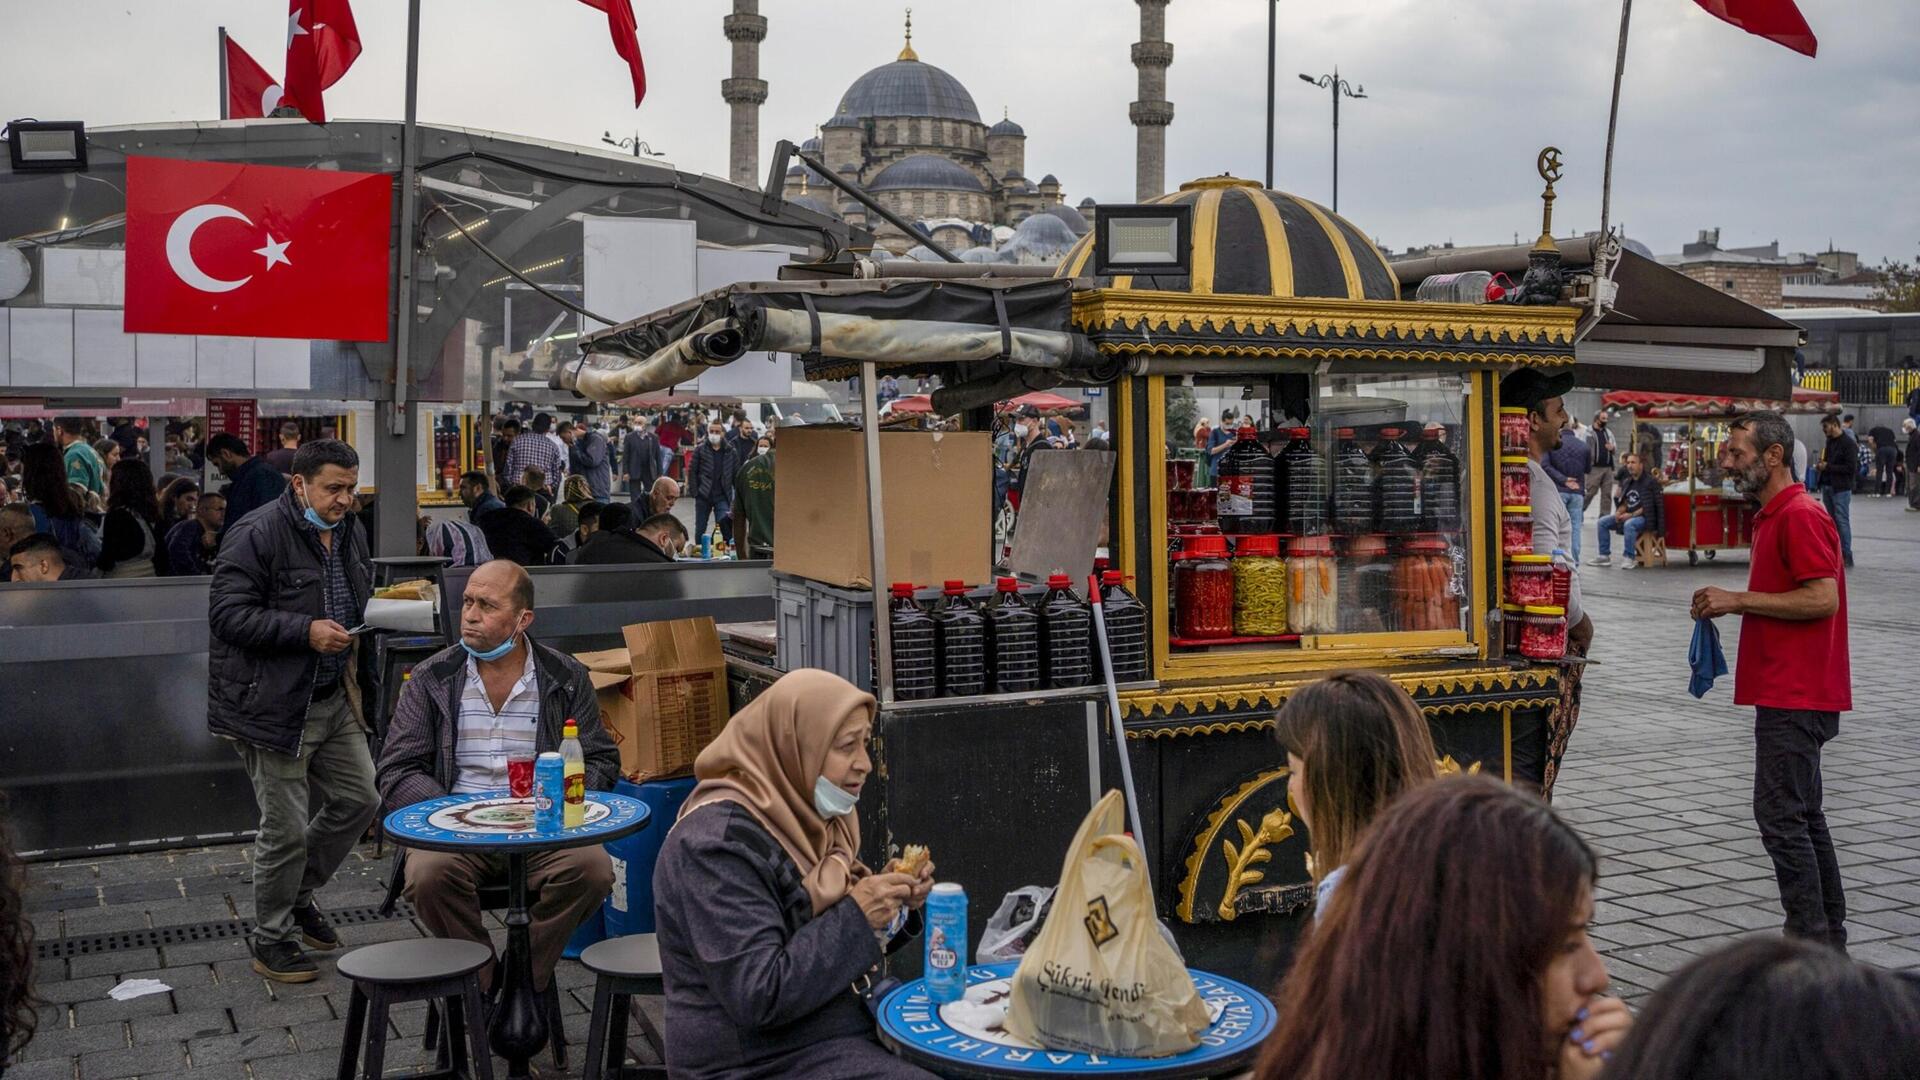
x=1660 y=784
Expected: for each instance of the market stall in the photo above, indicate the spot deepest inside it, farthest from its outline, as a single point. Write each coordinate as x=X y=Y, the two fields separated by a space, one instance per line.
x=1362 y=529
x=1679 y=438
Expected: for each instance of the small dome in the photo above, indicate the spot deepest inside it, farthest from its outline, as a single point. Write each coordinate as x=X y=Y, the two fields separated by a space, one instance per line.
x=841 y=120
x=1013 y=174
x=1050 y=179
x=1071 y=216
x=923 y=253
x=1040 y=239
x=1007 y=127
x=851 y=207
x=980 y=255
x=909 y=88
x=811 y=144
x=1087 y=202
x=925 y=171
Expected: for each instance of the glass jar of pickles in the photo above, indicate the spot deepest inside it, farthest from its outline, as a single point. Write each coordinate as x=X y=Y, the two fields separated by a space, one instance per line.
x=1312 y=586
x=1259 y=587
x=1543 y=632
x=1203 y=589
x=1516 y=482
x=1366 y=586
x=1513 y=430
x=1423 y=593
x=1510 y=625
x=1516 y=530
x=1529 y=578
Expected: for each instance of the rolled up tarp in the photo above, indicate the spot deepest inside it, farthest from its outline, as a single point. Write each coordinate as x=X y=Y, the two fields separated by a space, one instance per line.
x=605 y=377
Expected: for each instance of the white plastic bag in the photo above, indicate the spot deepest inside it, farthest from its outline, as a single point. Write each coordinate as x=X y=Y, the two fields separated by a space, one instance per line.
x=1014 y=924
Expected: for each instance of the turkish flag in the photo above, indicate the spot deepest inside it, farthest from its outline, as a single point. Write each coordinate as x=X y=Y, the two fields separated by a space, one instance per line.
x=336 y=40
x=625 y=41
x=1778 y=21
x=257 y=250
x=251 y=92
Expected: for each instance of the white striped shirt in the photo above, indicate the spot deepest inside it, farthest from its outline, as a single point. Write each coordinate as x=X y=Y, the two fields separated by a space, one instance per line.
x=486 y=738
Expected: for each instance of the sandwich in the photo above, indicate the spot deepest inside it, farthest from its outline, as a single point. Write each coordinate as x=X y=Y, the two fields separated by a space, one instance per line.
x=912 y=858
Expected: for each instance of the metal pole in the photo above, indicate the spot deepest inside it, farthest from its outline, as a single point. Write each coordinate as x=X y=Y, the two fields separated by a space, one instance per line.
x=876 y=523
x=403 y=314
x=223 y=76
x=1613 y=117
x=1273 y=8
x=859 y=195
x=1336 y=140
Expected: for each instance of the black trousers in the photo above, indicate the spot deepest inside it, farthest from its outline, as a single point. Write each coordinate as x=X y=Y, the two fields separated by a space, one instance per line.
x=1787 y=806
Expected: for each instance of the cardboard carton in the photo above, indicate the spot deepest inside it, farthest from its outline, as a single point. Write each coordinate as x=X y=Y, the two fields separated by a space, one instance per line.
x=937 y=489
x=663 y=698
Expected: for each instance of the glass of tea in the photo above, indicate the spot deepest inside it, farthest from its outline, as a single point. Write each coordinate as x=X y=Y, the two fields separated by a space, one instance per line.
x=520 y=775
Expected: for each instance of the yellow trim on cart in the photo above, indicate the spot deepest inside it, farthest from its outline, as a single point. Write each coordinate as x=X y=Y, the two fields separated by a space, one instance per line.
x=1391 y=321
x=1206 y=237
x=1341 y=249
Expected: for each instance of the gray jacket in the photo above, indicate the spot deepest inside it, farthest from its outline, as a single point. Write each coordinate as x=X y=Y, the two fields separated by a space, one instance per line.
x=416 y=757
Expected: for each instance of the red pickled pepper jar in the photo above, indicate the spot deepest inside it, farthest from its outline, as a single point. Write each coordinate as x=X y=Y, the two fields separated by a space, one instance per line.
x=1203 y=589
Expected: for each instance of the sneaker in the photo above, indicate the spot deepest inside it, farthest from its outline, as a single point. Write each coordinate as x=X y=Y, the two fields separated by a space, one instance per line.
x=315 y=930
x=1626 y=563
x=1600 y=560
x=283 y=961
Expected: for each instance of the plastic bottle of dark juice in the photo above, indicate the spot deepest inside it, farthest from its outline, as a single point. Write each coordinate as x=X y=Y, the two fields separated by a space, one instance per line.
x=1300 y=477
x=1352 y=486
x=1126 y=619
x=1397 y=484
x=915 y=672
x=962 y=634
x=1014 y=629
x=1439 y=482
x=1245 y=481
x=1066 y=635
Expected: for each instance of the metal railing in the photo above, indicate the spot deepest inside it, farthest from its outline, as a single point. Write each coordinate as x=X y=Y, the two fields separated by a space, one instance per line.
x=1872 y=386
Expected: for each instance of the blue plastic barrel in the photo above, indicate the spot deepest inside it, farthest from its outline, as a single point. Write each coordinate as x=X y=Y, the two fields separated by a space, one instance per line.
x=629 y=908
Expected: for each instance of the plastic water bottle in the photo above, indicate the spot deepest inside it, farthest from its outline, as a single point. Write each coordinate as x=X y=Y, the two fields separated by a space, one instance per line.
x=1464 y=288
x=915 y=673
x=1066 y=634
x=1126 y=628
x=574 y=774
x=961 y=632
x=1015 y=629
x=549 y=793
x=946 y=929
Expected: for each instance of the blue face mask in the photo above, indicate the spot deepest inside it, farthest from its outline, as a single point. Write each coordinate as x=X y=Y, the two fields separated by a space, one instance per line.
x=832 y=800
x=319 y=522
x=494 y=653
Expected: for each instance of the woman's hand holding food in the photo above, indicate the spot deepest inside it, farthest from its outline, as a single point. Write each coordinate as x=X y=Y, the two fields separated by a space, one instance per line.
x=880 y=896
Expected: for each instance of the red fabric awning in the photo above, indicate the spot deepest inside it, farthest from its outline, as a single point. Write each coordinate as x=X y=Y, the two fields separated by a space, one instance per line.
x=1043 y=401
x=915 y=404
x=1651 y=403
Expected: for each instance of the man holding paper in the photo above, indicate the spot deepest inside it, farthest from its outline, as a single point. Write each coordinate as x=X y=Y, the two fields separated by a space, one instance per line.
x=290 y=584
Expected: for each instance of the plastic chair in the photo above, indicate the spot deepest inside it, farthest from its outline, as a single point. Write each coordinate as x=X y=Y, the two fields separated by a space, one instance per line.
x=624 y=966
x=436 y=970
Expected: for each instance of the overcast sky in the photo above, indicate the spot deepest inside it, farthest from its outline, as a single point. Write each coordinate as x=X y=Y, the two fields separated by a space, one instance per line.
x=1718 y=128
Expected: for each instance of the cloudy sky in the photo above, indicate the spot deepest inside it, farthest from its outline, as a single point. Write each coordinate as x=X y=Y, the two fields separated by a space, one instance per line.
x=1718 y=128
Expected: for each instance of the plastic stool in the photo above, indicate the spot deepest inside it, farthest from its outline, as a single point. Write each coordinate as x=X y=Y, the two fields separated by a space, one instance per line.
x=428 y=969
x=624 y=966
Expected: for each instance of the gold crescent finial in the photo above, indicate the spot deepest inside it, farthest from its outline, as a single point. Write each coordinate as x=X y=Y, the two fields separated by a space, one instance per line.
x=906 y=51
x=1548 y=164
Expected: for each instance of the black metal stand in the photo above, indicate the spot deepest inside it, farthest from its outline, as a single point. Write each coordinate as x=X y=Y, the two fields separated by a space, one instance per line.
x=519 y=1027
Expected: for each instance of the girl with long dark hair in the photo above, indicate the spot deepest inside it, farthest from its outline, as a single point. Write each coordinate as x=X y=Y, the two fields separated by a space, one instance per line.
x=179 y=497
x=1354 y=742
x=1455 y=949
x=130 y=544
x=57 y=508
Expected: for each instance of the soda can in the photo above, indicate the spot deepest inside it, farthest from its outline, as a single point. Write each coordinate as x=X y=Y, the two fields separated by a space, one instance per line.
x=946 y=950
x=549 y=792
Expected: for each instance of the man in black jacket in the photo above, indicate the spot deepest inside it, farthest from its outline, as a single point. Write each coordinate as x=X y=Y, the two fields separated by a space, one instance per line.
x=640 y=454
x=653 y=541
x=290 y=581
x=1839 y=468
x=252 y=482
x=461 y=716
x=515 y=532
x=710 y=480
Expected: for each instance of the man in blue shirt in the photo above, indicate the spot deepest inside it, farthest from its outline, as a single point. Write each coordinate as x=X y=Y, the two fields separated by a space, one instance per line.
x=1567 y=465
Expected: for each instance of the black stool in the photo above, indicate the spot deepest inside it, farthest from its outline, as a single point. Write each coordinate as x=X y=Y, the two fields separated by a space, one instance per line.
x=428 y=969
x=625 y=966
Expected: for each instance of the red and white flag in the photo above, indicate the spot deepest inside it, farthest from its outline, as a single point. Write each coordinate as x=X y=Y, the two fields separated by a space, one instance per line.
x=1778 y=21
x=626 y=41
x=251 y=92
x=257 y=250
x=322 y=42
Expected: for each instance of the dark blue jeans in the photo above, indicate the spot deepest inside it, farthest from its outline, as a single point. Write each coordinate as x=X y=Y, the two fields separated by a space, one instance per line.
x=1840 y=508
x=1787 y=795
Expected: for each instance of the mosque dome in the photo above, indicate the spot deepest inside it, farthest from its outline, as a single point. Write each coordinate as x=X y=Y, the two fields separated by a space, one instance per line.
x=1074 y=219
x=841 y=120
x=1251 y=241
x=909 y=87
x=1007 y=127
x=925 y=172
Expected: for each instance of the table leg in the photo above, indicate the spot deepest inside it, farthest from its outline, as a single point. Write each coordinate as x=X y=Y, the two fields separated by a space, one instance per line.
x=519 y=1028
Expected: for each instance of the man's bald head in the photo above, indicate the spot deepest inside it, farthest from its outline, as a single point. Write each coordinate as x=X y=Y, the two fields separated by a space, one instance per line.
x=507 y=576
x=497 y=605
x=664 y=493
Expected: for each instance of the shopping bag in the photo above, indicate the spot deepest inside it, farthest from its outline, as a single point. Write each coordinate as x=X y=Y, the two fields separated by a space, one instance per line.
x=1013 y=925
x=1100 y=978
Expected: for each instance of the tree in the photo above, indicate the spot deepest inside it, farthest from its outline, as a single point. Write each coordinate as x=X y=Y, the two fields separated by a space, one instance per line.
x=1900 y=285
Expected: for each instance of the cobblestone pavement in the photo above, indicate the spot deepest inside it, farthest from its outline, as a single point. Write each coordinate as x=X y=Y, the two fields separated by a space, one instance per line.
x=1662 y=784
x=1659 y=782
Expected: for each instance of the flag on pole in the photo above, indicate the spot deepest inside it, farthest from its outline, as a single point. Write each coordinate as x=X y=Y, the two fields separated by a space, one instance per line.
x=625 y=40
x=251 y=92
x=1778 y=21
x=303 y=63
x=336 y=39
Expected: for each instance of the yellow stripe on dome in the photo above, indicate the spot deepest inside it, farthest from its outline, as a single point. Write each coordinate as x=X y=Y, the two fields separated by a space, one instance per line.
x=1355 y=290
x=1279 y=255
x=1081 y=254
x=1206 y=238
x=1382 y=259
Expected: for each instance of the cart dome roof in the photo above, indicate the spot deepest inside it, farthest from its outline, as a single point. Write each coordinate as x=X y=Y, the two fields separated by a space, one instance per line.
x=1251 y=241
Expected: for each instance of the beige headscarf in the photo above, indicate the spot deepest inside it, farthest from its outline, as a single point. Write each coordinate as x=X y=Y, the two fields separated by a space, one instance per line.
x=767 y=759
x=577 y=491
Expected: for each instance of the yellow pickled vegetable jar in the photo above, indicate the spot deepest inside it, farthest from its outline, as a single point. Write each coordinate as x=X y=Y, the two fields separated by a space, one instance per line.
x=1259 y=587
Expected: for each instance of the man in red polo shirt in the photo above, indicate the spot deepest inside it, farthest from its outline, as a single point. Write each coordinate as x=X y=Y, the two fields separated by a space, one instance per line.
x=1792 y=668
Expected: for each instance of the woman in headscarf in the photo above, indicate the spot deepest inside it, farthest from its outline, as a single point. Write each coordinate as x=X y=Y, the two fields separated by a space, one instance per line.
x=770 y=928
x=565 y=515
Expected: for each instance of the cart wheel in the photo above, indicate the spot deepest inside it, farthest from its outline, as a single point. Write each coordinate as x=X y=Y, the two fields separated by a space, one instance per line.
x=1711 y=554
x=1693 y=558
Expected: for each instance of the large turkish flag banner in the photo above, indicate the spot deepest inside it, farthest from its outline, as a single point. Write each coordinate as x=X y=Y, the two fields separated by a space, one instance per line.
x=257 y=250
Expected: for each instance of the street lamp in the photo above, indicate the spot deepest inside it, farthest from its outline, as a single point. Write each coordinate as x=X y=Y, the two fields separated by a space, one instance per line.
x=633 y=144
x=1337 y=86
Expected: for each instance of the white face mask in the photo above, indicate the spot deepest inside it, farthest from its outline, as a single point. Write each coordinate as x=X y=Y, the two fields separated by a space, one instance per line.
x=832 y=800
x=714 y=438
x=1020 y=431
x=763 y=450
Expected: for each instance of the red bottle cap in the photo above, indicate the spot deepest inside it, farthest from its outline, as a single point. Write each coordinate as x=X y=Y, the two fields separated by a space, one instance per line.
x=1344 y=433
x=902 y=588
x=1248 y=431
x=1390 y=432
x=1110 y=577
x=1300 y=432
x=1007 y=584
x=1059 y=581
x=955 y=588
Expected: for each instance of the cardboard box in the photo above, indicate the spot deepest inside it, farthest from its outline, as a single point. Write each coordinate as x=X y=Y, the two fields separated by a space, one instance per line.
x=938 y=505
x=663 y=698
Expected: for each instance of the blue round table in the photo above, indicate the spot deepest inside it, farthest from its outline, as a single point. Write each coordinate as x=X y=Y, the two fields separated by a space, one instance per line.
x=495 y=823
x=955 y=1047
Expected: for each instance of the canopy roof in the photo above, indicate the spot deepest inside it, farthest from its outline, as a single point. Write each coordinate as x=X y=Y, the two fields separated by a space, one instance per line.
x=1655 y=404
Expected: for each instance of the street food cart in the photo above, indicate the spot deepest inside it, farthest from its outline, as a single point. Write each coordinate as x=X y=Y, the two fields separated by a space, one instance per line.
x=1679 y=438
x=1295 y=308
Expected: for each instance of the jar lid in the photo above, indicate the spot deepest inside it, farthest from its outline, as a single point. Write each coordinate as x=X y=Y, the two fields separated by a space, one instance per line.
x=1311 y=545
x=1262 y=546
x=1550 y=610
x=1391 y=433
x=1203 y=546
x=1531 y=560
x=1511 y=609
x=1367 y=546
x=1344 y=433
x=1527 y=510
x=1300 y=432
x=1513 y=410
x=1427 y=545
x=1514 y=460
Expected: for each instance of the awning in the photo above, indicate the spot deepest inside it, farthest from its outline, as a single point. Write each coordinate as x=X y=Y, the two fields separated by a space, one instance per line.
x=894 y=322
x=1655 y=404
x=1665 y=331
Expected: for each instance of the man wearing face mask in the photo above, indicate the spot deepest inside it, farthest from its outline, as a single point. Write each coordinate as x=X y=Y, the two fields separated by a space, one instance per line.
x=291 y=581
x=464 y=712
x=711 y=479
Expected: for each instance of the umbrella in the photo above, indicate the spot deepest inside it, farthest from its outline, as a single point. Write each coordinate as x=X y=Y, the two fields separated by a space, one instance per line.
x=1043 y=401
x=916 y=404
